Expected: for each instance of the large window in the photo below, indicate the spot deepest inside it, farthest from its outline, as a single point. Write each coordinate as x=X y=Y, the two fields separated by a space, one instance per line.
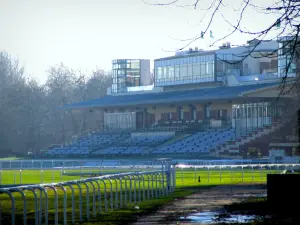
x=285 y=59
x=126 y=73
x=185 y=70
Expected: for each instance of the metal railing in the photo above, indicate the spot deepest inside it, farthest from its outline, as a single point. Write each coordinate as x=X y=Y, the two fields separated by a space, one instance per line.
x=115 y=190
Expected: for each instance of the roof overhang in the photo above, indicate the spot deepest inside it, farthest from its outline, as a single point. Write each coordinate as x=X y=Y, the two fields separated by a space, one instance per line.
x=175 y=97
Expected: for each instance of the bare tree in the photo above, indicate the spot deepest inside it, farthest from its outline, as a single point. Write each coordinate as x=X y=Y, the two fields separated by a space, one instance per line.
x=284 y=27
x=30 y=115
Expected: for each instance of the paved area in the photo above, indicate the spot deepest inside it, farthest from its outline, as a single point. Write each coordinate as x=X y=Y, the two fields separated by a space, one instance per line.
x=203 y=200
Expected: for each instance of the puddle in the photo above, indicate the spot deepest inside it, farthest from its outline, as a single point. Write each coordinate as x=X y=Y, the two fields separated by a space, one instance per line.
x=250 y=196
x=209 y=217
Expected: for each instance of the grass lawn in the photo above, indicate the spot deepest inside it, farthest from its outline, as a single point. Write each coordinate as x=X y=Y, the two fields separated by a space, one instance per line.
x=186 y=183
x=10 y=158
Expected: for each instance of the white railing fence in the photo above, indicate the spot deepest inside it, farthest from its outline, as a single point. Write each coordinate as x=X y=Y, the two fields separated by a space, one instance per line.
x=90 y=197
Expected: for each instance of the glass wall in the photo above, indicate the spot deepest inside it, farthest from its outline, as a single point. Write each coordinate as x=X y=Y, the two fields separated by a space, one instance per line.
x=228 y=64
x=250 y=116
x=185 y=70
x=125 y=73
x=284 y=59
x=120 y=120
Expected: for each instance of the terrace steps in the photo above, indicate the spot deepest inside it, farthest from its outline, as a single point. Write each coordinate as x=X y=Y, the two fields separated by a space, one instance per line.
x=175 y=139
x=234 y=146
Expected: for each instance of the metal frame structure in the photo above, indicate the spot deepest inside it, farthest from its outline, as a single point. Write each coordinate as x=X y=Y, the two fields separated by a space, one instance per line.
x=164 y=179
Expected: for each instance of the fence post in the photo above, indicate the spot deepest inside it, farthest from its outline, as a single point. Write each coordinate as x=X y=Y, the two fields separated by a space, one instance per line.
x=36 y=211
x=24 y=205
x=140 y=190
x=94 y=198
x=242 y=173
x=55 y=203
x=111 y=194
x=65 y=202
x=130 y=190
x=80 y=200
x=105 y=195
x=42 y=176
x=148 y=191
x=13 y=216
x=208 y=175
x=87 y=199
x=99 y=196
x=116 y=194
x=144 y=196
x=134 y=191
x=73 y=201
x=20 y=176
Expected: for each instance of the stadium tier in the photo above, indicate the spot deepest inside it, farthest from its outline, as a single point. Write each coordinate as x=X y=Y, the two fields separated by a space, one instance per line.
x=85 y=145
x=215 y=102
x=153 y=140
x=130 y=150
x=201 y=142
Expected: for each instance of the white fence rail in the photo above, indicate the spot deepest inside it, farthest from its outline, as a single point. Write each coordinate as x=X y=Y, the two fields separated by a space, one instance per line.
x=118 y=190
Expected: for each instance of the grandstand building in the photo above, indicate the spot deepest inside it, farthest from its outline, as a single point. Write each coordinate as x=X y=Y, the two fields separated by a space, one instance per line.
x=201 y=102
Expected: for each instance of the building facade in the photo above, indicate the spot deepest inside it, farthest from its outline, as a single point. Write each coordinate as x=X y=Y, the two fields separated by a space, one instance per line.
x=129 y=73
x=230 y=86
x=285 y=57
x=198 y=66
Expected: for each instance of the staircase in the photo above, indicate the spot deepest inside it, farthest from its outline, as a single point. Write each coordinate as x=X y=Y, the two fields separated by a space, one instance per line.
x=234 y=146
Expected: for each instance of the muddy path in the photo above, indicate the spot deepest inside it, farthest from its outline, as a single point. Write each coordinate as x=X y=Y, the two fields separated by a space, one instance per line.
x=203 y=200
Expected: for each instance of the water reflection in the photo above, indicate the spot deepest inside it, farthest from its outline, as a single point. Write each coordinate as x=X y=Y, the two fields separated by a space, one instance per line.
x=211 y=217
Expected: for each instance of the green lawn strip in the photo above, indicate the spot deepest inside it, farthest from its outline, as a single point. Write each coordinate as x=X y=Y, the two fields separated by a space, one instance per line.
x=10 y=158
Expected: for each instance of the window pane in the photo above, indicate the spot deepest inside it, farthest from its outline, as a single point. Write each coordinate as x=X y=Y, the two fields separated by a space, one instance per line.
x=171 y=73
x=190 y=70
x=177 y=72
x=135 y=65
x=183 y=71
x=210 y=68
x=203 y=68
x=196 y=69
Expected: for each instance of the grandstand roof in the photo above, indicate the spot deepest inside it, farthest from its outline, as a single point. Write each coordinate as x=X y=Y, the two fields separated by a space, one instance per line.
x=203 y=94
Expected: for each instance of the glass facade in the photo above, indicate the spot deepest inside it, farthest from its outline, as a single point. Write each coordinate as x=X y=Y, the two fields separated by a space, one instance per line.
x=125 y=120
x=125 y=73
x=284 y=59
x=185 y=70
x=250 y=116
x=228 y=64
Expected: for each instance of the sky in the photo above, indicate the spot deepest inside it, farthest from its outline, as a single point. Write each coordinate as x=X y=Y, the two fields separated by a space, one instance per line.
x=89 y=34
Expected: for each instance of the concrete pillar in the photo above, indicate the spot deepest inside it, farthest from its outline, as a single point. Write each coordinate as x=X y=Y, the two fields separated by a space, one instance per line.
x=145 y=118
x=207 y=114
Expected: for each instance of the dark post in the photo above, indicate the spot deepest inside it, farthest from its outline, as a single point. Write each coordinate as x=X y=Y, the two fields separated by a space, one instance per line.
x=246 y=115
x=256 y=115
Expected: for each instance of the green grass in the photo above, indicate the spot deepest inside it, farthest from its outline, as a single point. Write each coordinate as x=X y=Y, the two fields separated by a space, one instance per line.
x=187 y=177
x=186 y=183
x=10 y=158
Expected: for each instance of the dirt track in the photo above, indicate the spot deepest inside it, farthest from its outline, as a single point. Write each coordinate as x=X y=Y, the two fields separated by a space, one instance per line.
x=204 y=200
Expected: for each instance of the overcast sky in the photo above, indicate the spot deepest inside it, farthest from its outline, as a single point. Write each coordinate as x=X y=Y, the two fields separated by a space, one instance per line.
x=88 y=34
